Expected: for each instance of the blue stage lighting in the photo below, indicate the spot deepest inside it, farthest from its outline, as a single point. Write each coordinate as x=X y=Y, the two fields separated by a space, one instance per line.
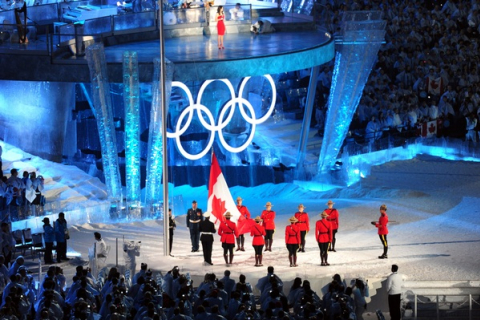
x=102 y=103
x=153 y=189
x=357 y=52
x=132 y=126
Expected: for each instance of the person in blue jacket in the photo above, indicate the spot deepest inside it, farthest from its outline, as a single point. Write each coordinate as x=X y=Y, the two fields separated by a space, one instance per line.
x=61 y=236
x=49 y=237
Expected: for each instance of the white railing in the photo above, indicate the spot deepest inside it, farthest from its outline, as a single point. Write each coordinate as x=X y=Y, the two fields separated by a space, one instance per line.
x=453 y=308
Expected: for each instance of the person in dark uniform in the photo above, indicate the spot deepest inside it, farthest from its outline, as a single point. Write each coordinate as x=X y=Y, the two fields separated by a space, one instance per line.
x=207 y=230
x=49 y=237
x=194 y=216
x=228 y=232
x=171 y=226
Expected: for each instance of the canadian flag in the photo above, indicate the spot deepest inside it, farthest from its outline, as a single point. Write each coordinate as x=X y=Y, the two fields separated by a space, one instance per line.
x=429 y=129
x=219 y=197
x=435 y=86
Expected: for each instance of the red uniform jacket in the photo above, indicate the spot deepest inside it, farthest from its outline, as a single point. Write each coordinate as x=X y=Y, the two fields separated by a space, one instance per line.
x=227 y=231
x=292 y=234
x=258 y=232
x=303 y=221
x=332 y=217
x=323 y=231
x=268 y=218
x=382 y=224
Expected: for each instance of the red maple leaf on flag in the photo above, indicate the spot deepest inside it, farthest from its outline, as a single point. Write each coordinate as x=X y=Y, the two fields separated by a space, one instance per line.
x=433 y=84
x=432 y=128
x=218 y=208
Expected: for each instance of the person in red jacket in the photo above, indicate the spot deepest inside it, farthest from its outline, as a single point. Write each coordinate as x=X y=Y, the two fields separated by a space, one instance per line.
x=245 y=214
x=268 y=217
x=333 y=218
x=228 y=232
x=258 y=232
x=323 y=234
x=292 y=240
x=382 y=229
x=303 y=225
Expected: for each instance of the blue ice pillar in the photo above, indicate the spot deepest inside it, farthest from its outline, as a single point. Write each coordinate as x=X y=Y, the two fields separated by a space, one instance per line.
x=153 y=183
x=102 y=103
x=132 y=129
x=362 y=35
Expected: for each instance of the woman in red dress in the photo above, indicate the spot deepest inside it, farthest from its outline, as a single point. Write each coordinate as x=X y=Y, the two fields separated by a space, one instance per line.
x=220 y=17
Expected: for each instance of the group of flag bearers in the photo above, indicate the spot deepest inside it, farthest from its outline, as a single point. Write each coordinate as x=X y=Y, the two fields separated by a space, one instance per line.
x=262 y=228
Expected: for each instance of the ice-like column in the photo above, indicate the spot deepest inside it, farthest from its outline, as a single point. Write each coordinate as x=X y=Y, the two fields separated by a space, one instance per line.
x=102 y=103
x=362 y=34
x=153 y=188
x=132 y=127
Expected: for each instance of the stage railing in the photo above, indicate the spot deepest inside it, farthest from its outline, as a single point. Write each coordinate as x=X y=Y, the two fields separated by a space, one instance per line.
x=10 y=40
x=230 y=18
x=447 y=306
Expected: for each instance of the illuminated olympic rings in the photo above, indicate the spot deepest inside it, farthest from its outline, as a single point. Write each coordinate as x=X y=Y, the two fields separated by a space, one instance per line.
x=222 y=122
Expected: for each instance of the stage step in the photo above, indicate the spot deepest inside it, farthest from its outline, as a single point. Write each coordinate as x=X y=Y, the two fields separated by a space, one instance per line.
x=294 y=26
x=266 y=12
x=239 y=28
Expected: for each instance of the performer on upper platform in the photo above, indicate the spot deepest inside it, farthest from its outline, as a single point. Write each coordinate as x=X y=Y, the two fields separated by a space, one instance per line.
x=292 y=240
x=323 y=234
x=333 y=216
x=220 y=18
x=228 y=232
x=382 y=229
x=258 y=232
x=245 y=214
x=207 y=230
x=303 y=225
x=194 y=216
x=268 y=217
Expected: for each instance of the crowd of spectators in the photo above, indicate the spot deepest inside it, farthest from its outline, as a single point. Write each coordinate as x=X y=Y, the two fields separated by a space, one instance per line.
x=428 y=69
x=171 y=296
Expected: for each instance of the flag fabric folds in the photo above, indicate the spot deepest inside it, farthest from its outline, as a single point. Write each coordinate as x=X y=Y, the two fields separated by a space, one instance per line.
x=219 y=197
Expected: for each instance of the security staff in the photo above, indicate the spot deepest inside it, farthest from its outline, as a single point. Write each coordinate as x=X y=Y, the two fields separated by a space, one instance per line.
x=207 y=230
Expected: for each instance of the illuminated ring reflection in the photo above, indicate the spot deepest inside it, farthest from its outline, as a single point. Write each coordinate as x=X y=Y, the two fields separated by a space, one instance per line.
x=226 y=115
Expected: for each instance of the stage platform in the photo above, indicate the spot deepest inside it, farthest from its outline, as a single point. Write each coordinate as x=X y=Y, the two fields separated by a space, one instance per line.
x=195 y=57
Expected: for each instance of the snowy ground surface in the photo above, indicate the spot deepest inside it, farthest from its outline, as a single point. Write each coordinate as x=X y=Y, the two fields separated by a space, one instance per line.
x=435 y=203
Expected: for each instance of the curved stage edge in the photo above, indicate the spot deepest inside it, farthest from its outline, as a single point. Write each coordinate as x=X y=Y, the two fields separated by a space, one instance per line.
x=195 y=57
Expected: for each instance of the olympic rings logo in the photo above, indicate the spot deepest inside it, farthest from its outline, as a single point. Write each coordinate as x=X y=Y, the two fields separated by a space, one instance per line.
x=224 y=118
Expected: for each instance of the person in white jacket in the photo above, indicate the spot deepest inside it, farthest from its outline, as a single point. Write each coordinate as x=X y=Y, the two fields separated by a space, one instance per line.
x=471 y=124
x=394 y=290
